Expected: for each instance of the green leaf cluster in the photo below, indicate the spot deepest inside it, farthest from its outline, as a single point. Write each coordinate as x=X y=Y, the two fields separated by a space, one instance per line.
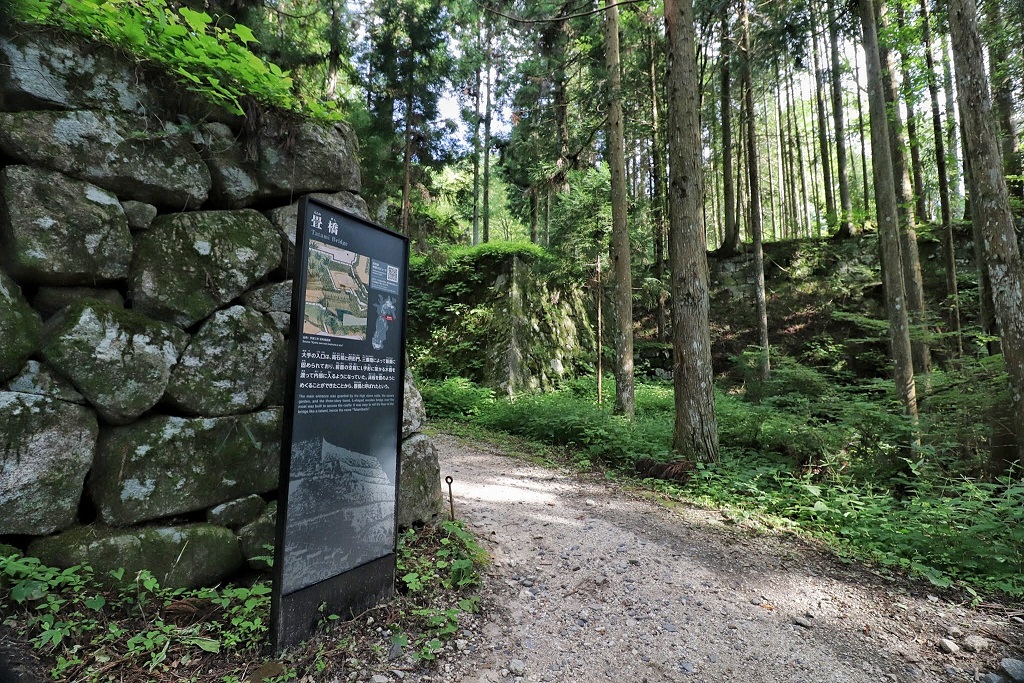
x=212 y=60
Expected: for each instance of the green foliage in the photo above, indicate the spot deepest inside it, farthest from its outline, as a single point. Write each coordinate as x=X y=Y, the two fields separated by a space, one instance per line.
x=451 y=307
x=431 y=565
x=831 y=460
x=72 y=618
x=209 y=59
x=454 y=398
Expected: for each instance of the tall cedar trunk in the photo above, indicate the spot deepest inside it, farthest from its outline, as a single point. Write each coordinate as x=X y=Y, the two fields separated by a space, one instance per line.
x=913 y=285
x=819 y=99
x=489 y=83
x=863 y=150
x=534 y=195
x=754 y=187
x=771 y=175
x=731 y=243
x=945 y=210
x=909 y=98
x=695 y=432
x=1002 y=96
x=477 y=120
x=815 y=168
x=987 y=311
x=999 y=238
x=657 y=178
x=623 y=283
x=888 y=224
x=798 y=141
x=839 y=123
x=952 y=115
x=786 y=156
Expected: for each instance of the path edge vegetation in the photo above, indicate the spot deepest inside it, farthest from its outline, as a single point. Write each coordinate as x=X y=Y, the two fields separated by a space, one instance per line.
x=85 y=627
x=779 y=471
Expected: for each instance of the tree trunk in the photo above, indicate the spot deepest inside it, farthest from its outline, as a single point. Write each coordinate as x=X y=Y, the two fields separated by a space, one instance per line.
x=623 y=284
x=771 y=175
x=657 y=178
x=888 y=224
x=731 y=243
x=695 y=433
x=863 y=138
x=489 y=84
x=819 y=99
x=476 y=153
x=798 y=142
x=945 y=210
x=838 y=112
x=407 y=169
x=909 y=98
x=1002 y=98
x=754 y=217
x=913 y=286
x=991 y=199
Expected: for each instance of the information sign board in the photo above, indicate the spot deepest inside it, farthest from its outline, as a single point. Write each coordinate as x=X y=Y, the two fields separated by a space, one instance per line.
x=336 y=529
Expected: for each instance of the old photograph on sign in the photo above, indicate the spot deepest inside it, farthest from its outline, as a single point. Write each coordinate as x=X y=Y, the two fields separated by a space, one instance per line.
x=337 y=283
x=325 y=535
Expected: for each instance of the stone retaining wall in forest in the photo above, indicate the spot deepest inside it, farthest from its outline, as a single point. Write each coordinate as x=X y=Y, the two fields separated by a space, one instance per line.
x=145 y=243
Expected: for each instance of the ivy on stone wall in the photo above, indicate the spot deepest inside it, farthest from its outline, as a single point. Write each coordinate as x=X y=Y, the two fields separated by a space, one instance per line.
x=209 y=59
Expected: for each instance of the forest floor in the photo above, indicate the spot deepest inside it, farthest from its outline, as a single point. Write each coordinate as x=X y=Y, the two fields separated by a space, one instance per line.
x=593 y=580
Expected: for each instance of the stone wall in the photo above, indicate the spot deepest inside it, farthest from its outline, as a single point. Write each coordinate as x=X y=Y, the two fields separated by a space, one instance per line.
x=145 y=243
x=500 y=318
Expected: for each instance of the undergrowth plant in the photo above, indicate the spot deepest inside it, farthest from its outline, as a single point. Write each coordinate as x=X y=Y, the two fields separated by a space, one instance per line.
x=807 y=453
x=91 y=628
x=432 y=567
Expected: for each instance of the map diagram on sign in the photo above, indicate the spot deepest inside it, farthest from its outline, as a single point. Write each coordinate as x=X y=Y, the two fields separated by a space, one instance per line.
x=337 y=292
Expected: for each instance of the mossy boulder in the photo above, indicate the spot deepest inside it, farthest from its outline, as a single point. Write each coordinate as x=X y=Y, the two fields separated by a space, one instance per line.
x=119 y=360
x=20 y=328
x=295 y=158
x=43 y=69
x=162 y=466
x=419 y=488
x=234 y=184
x=186 y=556
x=61 y=231
x=224 y=370
x=255 y=537
x=500 y=315
x=48 y=446
x=121 y=153
x=189 y=265
x=40 y=379
x=236 y=513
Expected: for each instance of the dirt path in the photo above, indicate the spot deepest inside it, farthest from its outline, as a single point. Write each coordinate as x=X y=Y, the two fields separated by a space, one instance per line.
x=591 y=583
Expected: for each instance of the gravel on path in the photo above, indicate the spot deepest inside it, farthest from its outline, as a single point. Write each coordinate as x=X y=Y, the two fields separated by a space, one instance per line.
x=591 y=582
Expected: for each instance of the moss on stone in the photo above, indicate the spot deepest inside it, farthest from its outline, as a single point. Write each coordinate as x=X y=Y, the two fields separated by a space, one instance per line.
x=165 y=466
x=188 y=265
x=120 y=360
x=184 y=556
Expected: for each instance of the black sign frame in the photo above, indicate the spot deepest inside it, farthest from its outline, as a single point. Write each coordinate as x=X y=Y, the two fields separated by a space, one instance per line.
x=296 y=609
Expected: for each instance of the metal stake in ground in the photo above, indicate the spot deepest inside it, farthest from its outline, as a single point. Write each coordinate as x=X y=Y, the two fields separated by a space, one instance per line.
x=451 y=501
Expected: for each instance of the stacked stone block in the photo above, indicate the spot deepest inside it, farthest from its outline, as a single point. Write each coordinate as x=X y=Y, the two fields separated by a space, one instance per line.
x=145 y=246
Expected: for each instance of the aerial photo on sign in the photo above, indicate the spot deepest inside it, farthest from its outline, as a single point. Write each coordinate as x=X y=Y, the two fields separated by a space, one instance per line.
x=337 y=294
